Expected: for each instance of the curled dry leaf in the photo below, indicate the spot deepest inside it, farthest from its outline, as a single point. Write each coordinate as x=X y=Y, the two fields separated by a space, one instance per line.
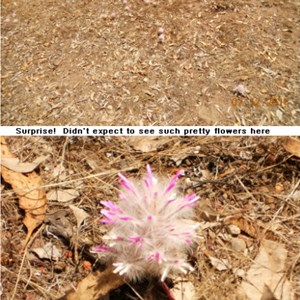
x=96 y=285
x=291 y=145
x=62 y=195
x=268 y=270
x=14 y=164
x=219 y=264
x=245 y=224
x=49 y=251
x=79 y=213
x=30 y=191
x=148 y=143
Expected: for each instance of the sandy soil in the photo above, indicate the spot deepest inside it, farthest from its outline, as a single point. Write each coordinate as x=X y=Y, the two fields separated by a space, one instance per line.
x=91 y=63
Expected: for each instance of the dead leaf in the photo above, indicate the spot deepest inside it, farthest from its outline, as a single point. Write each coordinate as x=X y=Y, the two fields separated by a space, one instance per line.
x=268 y=270
x=245 y=224
x=62 y=195
x=148 y=143
x=79 y=213
x=219 y=264
x=49 y=251
x=267 y=294
x=32 y=197
x=14 y=164
x=291 y=145
x=184 y=291
x=96 y=285
x=60 y=171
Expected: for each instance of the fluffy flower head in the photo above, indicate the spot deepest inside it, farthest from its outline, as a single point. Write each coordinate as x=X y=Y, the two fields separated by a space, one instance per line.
x=149 y=228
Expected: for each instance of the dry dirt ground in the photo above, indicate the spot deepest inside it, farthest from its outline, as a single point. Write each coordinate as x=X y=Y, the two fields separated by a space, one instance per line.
x=252 y=183
x=103 y=62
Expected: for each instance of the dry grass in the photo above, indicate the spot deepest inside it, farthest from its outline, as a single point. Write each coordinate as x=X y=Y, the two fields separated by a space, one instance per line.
x=249 y=177
x=85 y=63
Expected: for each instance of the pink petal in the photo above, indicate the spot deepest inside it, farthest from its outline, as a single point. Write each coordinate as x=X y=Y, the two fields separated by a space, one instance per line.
x=110 y=205
x=106 y=213
x=101 y=248
x=127 y=184
x=173 y=181
x=135 y=239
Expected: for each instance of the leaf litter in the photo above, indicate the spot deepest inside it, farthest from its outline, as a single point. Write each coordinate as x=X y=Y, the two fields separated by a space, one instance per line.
x=268 y=270
x=248 y=219
x=30 y=191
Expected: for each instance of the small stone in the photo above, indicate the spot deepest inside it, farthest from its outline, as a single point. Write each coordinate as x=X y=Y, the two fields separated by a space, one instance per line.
x=234 y=230
x=161 y=38
x=279 y=114
x=160 y=31
x=239 y=272
x=238 y=244
x=279 y=187
x=240 y=90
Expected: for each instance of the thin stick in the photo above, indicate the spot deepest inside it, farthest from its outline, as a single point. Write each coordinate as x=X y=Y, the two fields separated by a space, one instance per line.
x=245 y=188
x=23 y=260
x=139 y=296
x=78 y=179
x=32 y=284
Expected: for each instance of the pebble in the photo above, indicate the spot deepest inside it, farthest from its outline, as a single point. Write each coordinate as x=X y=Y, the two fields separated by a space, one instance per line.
x=160 y=31
x=234 y=230
x=238 y=244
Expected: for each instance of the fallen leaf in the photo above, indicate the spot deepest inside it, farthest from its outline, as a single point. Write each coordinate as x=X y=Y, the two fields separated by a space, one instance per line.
x=291 y=145
x=49 y=251
x=268 y=269
x=30 y=191
x=60 y=171
x=79 y=213
x=14 y=164
x=147 y=143
x=219 y=264
x=184 y=291
x=267 y=294
x=245 y=224
x=62 y=195
x=96 y=285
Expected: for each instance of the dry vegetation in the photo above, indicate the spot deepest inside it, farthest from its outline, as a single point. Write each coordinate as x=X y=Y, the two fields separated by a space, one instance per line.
x=250 y=182
x=87 y=62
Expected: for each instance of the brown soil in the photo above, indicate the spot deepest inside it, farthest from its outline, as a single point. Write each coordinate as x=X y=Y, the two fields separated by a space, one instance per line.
x=91 y=63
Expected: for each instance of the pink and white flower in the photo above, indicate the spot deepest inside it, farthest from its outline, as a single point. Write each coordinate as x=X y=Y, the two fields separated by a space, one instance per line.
x=150 y=228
